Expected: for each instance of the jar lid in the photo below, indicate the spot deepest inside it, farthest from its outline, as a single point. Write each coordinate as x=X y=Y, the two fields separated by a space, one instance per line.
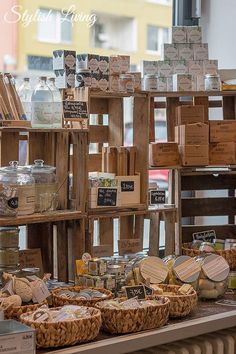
x=9 y=230
x=154 y=270
x=211 y=76
x=186 y=269
x=215 y=267
x=151 y=76
x=126 y=76
x=81 y=70
x=14 y=168
x=39 y=167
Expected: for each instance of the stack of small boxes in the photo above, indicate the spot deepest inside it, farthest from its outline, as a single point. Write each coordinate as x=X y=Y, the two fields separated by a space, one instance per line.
x=64 y=66
x=185 y=62
x=192 y=135
x=222 y=142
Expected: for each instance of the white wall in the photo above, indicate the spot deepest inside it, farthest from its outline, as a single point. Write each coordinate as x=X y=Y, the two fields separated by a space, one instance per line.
x=219 y=30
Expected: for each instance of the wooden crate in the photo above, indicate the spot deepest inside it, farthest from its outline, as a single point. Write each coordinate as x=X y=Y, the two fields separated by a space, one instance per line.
x=59 y=234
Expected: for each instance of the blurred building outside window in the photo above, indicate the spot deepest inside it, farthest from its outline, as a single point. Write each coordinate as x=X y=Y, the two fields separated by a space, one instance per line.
x=156 y=37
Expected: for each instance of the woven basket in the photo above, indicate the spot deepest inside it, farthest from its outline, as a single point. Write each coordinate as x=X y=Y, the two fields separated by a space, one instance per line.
x=180 y=305
x=133 y=320
x=229 y=255
x=58 y=300
x=14 y=313
x=58 y=334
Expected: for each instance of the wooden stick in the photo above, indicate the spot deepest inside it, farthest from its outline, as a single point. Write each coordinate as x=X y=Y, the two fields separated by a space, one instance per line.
x=132 y=151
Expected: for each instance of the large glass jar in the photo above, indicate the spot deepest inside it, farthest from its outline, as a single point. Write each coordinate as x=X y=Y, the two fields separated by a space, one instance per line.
x=45 y=186
x=146 y=270
x=20 y=178
x=214 y=274
x=183 y=269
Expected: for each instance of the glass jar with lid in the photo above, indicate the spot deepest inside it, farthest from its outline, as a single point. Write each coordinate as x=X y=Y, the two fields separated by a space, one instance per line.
x=212 y=82
x=183 y=269
x=46 y=186
x=214 y=274
x=20 y=178
x=126 y=83
x=150 y=82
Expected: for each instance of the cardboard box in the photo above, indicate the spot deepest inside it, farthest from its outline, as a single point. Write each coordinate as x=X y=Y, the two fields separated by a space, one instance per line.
x=103 y=65
x=194 y=155
x=124 y=63
x=195 y=67
x=94 y=80
x=64 y=78
x=190 y=114
x=137 y=80
x=88 y=61
x=222 y=131
x=114 y=83
x=164 y=68
x=129 y=189
x=114 y=68
x=192 y=134
x=103 y=82
x=64 y=59
x=210 y=67
x=180 y=67
x=194 y=34
x=182 y=82
x=162 y=84
x=171 y=52
x=200 y=51
x=169 y=83
x=185 y=51
x=200 y=83
x=222 y=153
x=149 y=67
x=179 y=34
x=163 y=154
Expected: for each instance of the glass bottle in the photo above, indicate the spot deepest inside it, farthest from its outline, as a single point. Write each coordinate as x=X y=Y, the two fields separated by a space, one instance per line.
x=25 y=93
x=42 y=105
x=57 y=104
x=5 y=99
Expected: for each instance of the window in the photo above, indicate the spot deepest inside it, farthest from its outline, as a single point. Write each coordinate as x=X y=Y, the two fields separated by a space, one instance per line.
x=156 y=37
x=54 y=27
x=161 y=2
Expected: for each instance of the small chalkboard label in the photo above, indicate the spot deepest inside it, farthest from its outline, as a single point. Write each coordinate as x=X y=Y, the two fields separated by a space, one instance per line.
x=157 y=197
x=137 y=291
x=208 y=235
x=148 y=290
x=127 y=186
x=75 y=109
x=107 y=197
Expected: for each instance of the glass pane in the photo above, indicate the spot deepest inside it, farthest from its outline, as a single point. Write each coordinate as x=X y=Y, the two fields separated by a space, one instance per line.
x=47 y=27
x=152 y=38
x=66 y=28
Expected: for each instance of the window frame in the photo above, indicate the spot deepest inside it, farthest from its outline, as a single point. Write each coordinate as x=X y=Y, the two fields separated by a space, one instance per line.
x=160 y=35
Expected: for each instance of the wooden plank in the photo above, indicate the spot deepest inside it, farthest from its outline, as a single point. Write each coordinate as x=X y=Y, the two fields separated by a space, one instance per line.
x=171 y=104
x=89 y=235
x=106 y=233
x=178 y=213
x=211 y=103
x=42 y=146
x=154 y=236
x=139 y=228
x=229 y=107
x=231 y=218
x=99 y=105
x=9 y=147
x=62 y=167
x=202 y=101
x=77 y=242
x=126 y=227
x=208 y=206
x=206 y=182
x=95 y=162
x=99 y=121
x=98 y=134
x=169 y=233
x=62 y=252
x=192 y=93
x=152 y=120
x=116 y=122
x=222 y=231
x=41 y=236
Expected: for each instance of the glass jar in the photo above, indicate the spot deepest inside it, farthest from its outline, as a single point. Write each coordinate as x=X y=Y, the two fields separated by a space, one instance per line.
x=46 y=186
x=9 y=237
x=145 y=270
x=219 y=244
x=183 y=269
x=206 y=247
x=196 y=244
x=232 y=280
x=20 y=178
x=229 y=243
x=126 y=83
x=9 y=257
x=213 y=279
x=150 y=82
x=212 y=82
x=83 y=78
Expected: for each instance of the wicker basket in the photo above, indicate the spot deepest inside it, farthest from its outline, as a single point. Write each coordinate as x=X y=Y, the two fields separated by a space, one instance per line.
x=133 y=320
x=58 y=334
x=229 y=255
x=180 y=305
x=58 y=300
x=14 y=313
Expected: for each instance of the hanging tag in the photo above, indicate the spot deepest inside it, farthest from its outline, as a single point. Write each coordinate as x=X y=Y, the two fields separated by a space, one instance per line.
x=40 y=292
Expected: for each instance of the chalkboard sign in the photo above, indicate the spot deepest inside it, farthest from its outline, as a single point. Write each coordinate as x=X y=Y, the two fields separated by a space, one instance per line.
x=127 y=186
x=148 y=290
x=135 y=291
x=157 y=197
x=107 y=197
x=75 y=109
x=208 y=235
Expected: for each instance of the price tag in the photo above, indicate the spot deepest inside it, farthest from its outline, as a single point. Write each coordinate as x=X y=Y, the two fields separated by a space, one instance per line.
x=40 y=292
x=107 y=197
x=75 y=109
x=127 y=186
x=137 y=291
x=157 y=197
x=208 y=235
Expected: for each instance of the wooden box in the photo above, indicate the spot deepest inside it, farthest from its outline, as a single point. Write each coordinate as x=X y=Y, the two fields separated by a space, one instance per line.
x=104 y=197
x=222 y=153
x=129 y=190
x=192 y=134
x=194 y=155
x=163 y=154
x=188 y=114
x=222 y=131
